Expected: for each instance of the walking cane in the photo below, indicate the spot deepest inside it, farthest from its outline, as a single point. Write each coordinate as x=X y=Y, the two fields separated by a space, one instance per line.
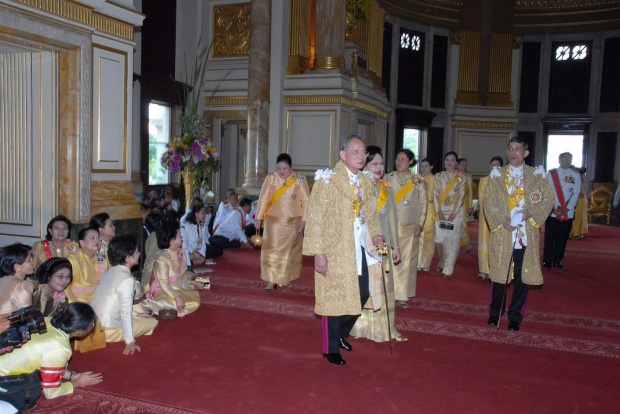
x=387 y=311
x=384 y=251
x=512 y=254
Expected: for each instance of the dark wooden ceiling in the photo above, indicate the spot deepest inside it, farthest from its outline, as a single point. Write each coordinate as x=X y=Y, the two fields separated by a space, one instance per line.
x=530 y=16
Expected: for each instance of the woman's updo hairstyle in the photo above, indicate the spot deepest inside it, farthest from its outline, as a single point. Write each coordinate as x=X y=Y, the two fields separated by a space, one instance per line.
x=372 y=150
x=284 y=157
x=11 y=255
x=76 y=316
x=47 y=269
x=166 y=232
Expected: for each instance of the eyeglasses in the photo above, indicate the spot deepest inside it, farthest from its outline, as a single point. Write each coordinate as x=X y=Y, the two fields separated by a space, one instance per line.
x=357 y=153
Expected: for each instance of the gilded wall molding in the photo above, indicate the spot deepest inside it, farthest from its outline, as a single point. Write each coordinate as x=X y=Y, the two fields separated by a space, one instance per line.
x=335 y=100
x=226 y=100
x=82 y=14
x=517 y=41
x=329 y=62
x=231 y=30
x=562 y=4
x=483 y=124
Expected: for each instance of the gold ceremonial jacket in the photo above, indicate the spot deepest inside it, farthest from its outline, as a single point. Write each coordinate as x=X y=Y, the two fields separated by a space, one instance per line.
x=538 y=201
x=292 y=203
x=329 y=230
x=417 y=199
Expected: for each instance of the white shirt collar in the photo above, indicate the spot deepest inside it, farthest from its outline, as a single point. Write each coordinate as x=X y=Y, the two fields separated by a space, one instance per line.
x=354 y=178
x=516 y=171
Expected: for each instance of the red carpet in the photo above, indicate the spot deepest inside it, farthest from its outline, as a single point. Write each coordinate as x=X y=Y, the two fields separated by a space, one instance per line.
x=251 y=351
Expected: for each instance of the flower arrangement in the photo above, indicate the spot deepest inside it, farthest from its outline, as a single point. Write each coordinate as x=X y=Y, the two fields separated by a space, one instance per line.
x=192 y=152
x=187 y=152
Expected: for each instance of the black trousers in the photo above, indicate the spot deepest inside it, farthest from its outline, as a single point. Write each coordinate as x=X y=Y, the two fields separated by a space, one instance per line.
x=336 y=327
x=519 y=292
x=222 y=242
x=556 y=236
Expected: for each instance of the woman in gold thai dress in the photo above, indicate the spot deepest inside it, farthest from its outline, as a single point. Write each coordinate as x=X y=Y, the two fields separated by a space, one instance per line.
x=373 y=322
x=53 y=275
x=580 y=223
x=484 y=231
x=448 y=193
x=56 y=243
x=87 y=267
x=411 y=201
x=427 y=237
x=105 y=227
x=171 y=285
x=281 y=210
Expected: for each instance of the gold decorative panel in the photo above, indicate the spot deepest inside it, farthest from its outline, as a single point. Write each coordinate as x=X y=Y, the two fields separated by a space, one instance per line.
x=334 y=100
x=501 y=62
x=469 y=61
x=231 y=30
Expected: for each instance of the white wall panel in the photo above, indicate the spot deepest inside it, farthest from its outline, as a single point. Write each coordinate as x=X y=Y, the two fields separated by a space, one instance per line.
x=110 y=111
x=311 y=139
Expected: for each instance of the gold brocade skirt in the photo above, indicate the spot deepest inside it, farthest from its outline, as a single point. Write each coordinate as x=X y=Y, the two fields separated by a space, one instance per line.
x=373 y=324
x=163 y=301
x=580 y=223
x=281 y=250
x=484 y=234
x=427 y=239
x=406 y=272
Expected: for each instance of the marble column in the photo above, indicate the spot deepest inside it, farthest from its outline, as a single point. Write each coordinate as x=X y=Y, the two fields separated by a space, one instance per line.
x=330 y=28
x=258 y=94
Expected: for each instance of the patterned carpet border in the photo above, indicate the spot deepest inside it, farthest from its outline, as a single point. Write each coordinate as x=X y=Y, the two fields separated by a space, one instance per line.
x=446 y=307
x=84 y=401
x=478 y=333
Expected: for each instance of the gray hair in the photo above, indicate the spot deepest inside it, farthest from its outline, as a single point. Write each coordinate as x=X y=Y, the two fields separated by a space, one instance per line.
x=564 y=154
x=344 y=144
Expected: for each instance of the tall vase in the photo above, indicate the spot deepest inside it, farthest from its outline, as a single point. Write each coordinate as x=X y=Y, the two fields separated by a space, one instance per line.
x=188 y=184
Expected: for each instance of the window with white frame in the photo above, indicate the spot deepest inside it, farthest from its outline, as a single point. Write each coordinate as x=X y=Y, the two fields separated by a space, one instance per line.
x=160 y=119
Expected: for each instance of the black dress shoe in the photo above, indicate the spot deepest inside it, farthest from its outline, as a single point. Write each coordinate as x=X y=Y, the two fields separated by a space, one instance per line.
x=558 y=265
x=492 y=321
x=344 y=344
x=513 y=326
x=546 y=265
x=334 y=359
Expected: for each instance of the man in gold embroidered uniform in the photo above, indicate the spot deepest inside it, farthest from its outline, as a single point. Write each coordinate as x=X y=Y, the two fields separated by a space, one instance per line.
x=342 y=225
x=517 y=201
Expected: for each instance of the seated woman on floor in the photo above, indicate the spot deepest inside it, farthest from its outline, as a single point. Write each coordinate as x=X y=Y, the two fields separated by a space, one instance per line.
x=52 y=350
x=196 y=237
x=56 y=243
x=53 y=275
x=230 y=232
x=87 y=266
x=171 y=286
x=104 y=226
x=15 y=265
x=150 y=247
x=113 y=301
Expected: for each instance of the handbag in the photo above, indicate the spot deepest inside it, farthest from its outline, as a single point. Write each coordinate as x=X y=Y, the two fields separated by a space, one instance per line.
x=22 y=391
